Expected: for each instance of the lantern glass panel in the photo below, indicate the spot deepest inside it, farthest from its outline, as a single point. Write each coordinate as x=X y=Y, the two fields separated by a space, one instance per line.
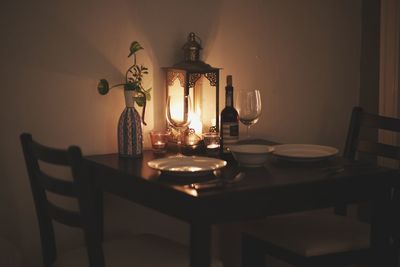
x=202 y=87
x=204 y=102
x=176 y=91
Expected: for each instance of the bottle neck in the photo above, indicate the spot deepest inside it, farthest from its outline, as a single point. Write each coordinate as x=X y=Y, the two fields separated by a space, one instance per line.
x=229 y=96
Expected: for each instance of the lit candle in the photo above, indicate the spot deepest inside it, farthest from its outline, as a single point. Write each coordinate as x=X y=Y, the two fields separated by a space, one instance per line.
x=159 y=144
x=192 y=141
x=211 y=140
x=159 y=141
x=213 y=146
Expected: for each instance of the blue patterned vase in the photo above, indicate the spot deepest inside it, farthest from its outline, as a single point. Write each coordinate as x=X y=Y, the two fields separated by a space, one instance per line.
x=130 y=136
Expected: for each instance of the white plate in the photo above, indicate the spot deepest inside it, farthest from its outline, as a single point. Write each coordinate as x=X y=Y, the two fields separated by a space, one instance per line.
x=304 y=152
x=187 y=166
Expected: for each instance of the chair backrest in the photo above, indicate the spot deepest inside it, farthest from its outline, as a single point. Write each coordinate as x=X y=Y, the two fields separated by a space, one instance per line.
x=88 y=218
x=355 y=143
x=358 y=142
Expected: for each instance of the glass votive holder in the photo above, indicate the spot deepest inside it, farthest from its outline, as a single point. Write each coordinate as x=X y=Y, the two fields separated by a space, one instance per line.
x=211 y=143
x=159 y=141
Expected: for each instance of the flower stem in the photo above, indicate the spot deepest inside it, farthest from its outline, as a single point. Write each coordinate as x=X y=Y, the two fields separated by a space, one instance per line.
x=116 y=85
x=127 y=71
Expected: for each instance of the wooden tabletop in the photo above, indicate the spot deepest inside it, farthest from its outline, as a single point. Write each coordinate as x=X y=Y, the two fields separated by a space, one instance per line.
x=275 y=188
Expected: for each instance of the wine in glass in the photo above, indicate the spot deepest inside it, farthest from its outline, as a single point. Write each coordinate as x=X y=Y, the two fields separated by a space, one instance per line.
x=178 y=112
x=249 y=107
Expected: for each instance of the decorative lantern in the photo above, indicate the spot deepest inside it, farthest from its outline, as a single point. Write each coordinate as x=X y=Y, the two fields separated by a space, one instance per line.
x=200 y=81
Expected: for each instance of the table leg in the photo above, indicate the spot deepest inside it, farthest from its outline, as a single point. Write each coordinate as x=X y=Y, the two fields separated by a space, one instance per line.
x=382 y=249
x=200 y=245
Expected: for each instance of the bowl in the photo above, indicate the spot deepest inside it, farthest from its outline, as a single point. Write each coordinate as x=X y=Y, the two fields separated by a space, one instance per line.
x=251 y=155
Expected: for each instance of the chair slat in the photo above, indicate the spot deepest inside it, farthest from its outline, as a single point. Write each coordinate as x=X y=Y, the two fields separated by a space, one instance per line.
x=379 y=149
x=57 y=186
x=380 y=122
x=50 y=155
x=70 y=218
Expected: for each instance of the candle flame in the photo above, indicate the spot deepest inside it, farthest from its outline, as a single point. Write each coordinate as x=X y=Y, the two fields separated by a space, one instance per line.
x=196 y=122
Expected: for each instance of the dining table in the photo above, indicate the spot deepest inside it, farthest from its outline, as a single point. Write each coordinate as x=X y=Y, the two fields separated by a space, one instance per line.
x=277 y=187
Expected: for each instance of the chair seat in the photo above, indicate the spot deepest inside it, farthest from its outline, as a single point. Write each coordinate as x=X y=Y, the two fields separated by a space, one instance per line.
x=145 y=250
x=312 y=235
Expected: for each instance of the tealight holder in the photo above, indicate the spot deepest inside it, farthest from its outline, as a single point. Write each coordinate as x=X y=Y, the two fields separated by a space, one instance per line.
x=192 y=144
x=159 y=141
x=211 y=142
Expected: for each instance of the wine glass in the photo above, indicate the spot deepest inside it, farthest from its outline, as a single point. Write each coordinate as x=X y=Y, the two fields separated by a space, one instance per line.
x=178 y=112
x=248 y=105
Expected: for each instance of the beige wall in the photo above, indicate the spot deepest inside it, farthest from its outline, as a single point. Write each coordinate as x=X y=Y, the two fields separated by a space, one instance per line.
x=302 y=55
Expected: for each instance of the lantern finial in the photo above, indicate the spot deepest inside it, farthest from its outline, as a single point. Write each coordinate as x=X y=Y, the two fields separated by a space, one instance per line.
x=192 y=48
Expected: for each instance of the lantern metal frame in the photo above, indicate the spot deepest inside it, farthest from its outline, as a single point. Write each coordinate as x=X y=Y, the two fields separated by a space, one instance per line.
x=188 y=72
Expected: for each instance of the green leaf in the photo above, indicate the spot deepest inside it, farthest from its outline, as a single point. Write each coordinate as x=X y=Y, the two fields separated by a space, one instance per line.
x=140 y=100
x=103 y=87
x=147 y=94
x=135 y=46
x=131 y=86
x=137 y=69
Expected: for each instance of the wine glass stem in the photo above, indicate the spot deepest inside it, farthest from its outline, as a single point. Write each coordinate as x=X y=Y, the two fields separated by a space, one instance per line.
x=247 y=132
x=179 y=142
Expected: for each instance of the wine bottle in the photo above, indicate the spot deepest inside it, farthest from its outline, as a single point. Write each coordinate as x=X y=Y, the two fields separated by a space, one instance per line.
x=229 y=120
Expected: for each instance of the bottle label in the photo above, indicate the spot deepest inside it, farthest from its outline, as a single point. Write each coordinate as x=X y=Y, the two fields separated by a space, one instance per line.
x=230 y=135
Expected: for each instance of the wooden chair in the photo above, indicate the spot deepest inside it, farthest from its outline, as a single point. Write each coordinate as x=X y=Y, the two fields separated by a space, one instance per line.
x=144 y=250
x=311 y=239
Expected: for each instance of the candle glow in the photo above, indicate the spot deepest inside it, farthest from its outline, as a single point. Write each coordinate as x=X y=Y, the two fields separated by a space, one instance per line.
x=196 y=123
x=213 y=146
